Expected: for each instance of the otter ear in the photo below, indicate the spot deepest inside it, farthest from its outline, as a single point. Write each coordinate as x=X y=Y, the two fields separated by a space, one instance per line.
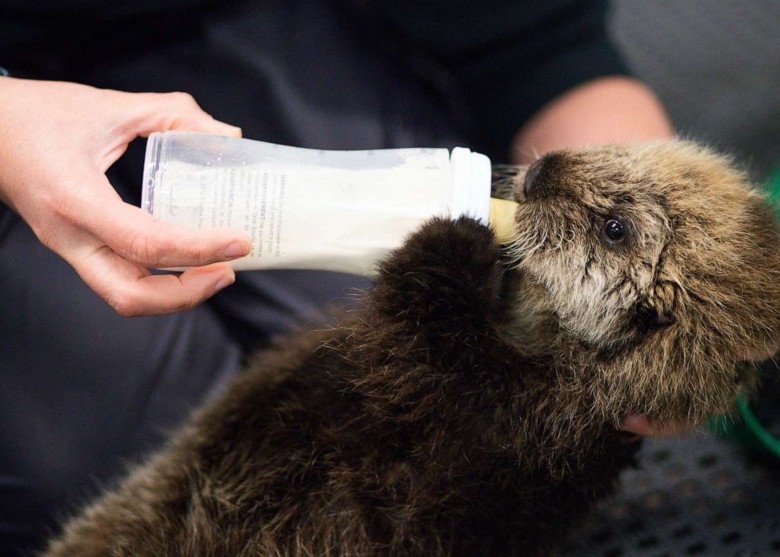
x=648 y=317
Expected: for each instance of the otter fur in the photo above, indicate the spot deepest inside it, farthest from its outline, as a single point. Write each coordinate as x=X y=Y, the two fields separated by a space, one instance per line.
x=471 y=404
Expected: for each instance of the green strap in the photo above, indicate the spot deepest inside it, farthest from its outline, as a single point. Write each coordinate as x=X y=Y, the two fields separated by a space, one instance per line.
x=769 y=442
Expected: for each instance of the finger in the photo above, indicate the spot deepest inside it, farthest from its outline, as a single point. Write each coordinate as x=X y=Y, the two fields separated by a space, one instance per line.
x=155 y=294
x=156 y=244
x=204 y=125
x=95 y=216
x=175 y=111
x=151 y=243
x=640 y=425
x=132 y=291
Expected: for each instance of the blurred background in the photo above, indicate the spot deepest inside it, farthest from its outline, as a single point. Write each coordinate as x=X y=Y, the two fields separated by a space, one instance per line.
x=716 y=66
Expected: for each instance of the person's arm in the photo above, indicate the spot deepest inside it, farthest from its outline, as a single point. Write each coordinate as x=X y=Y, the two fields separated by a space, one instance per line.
x=526 y=67
x=56 y=142
x=605 y=110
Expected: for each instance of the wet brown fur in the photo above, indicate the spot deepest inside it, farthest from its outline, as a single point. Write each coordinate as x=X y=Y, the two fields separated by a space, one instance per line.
x=470 y=406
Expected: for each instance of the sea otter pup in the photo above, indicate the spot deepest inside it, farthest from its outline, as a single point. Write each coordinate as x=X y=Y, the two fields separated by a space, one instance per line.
x=471 y=405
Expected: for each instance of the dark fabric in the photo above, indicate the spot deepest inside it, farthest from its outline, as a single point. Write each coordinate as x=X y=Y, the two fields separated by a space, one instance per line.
x=492 y=63
x=83 y=391
x=498 y=61
x=76 y=9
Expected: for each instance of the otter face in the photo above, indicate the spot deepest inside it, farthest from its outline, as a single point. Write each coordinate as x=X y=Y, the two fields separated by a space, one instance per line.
x=657 y=263
x=592 y=240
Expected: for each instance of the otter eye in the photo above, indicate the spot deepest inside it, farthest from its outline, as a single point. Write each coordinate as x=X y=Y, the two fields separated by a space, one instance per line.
x=614 y=231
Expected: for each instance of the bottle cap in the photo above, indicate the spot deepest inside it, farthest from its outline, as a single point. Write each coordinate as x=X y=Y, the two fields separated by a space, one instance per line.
x=471 y=175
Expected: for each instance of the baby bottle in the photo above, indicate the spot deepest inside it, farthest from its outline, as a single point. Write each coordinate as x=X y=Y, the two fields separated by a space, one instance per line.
x=314 y=209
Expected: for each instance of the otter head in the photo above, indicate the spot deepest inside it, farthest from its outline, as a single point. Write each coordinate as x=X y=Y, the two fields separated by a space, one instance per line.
x=649 y=272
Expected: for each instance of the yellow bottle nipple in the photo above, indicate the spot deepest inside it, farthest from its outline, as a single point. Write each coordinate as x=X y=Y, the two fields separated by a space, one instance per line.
x=502 y=219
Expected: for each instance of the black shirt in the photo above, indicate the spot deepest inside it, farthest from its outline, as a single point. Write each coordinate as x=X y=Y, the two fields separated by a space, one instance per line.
x=498 y=61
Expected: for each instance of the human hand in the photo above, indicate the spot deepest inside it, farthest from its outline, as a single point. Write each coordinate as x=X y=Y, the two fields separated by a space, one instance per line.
x=57 y=140
x=639 y=424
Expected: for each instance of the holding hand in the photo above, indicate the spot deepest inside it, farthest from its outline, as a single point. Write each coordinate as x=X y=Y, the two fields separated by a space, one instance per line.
x=57 y=141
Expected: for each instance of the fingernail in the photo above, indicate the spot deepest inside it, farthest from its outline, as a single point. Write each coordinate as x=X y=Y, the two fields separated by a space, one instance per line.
x=224 y=283
x=235 y=250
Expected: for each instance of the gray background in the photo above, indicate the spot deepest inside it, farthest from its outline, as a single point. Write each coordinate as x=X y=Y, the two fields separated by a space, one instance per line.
x=716 y=66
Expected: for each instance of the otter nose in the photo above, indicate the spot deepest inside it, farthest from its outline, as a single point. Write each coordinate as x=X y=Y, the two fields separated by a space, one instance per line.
x=543 y=178
x=530 y=182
